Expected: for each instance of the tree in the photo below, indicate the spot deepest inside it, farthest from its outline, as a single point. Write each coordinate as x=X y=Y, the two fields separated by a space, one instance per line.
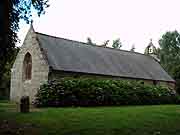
x=105 y=43
x=133 y=48
x=89 y=41
x=21 y=9
x=11 y=13
x=6 y=76
x=169 y=54
x=117 y=44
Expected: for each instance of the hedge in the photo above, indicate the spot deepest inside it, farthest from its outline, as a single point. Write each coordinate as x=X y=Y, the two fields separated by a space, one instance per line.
x=91 y=92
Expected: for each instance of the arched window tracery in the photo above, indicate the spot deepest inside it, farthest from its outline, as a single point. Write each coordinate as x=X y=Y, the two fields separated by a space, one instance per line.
x=27 y=65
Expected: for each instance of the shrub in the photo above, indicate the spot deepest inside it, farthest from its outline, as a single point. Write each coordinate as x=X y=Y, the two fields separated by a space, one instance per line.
x=91 y=92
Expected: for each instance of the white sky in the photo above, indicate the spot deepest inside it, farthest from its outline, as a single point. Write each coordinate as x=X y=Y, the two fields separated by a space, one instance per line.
x=133 y=21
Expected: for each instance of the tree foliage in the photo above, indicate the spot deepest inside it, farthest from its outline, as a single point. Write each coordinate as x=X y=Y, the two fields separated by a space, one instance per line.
x=106 y=42
x=133 y=48
x=6 y=76
x=22 y=9
x=90 y=42
x=117 y=44
x=169 y=54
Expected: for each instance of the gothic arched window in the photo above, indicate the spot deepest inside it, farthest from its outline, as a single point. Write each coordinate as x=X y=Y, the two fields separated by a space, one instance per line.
x=27 y=65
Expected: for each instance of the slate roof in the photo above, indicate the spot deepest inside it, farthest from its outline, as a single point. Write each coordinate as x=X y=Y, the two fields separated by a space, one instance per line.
x=74 y=56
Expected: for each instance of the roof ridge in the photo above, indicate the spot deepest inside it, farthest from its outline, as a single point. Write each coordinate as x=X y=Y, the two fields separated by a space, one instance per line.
x=90 y=44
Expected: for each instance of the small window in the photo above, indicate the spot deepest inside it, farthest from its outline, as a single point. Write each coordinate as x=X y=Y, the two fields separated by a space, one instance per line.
x=76 y=76
x=155 y=82
x=27 y=65
x=142 y=82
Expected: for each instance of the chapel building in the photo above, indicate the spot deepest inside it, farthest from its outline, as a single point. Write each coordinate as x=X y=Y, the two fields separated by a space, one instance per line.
x=43 y=57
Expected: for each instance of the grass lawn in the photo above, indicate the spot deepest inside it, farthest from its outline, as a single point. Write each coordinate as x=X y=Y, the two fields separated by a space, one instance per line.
x=125 y=120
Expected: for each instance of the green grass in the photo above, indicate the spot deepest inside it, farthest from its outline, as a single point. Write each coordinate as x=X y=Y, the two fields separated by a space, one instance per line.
x=125 y=120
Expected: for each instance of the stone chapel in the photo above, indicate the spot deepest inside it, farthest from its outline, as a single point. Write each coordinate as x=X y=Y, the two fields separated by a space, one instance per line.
x=44 y=57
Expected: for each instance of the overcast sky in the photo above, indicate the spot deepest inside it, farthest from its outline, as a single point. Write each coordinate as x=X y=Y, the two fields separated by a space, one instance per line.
x=133 y=21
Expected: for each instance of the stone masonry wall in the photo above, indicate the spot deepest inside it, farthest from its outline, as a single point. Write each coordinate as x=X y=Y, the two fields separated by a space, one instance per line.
x=58 y=75
x=40 y=69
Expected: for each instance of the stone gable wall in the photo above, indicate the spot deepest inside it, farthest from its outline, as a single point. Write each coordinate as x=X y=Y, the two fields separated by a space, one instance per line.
x=40 y=69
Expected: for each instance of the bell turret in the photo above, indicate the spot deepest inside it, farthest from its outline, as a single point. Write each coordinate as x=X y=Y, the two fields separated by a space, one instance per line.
x=151 y=51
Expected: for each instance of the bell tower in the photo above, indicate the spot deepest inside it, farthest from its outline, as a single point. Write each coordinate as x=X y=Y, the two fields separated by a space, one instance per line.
x=151 y=51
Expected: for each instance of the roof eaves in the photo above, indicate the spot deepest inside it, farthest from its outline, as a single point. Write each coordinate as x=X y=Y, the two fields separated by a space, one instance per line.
x=127 y=77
